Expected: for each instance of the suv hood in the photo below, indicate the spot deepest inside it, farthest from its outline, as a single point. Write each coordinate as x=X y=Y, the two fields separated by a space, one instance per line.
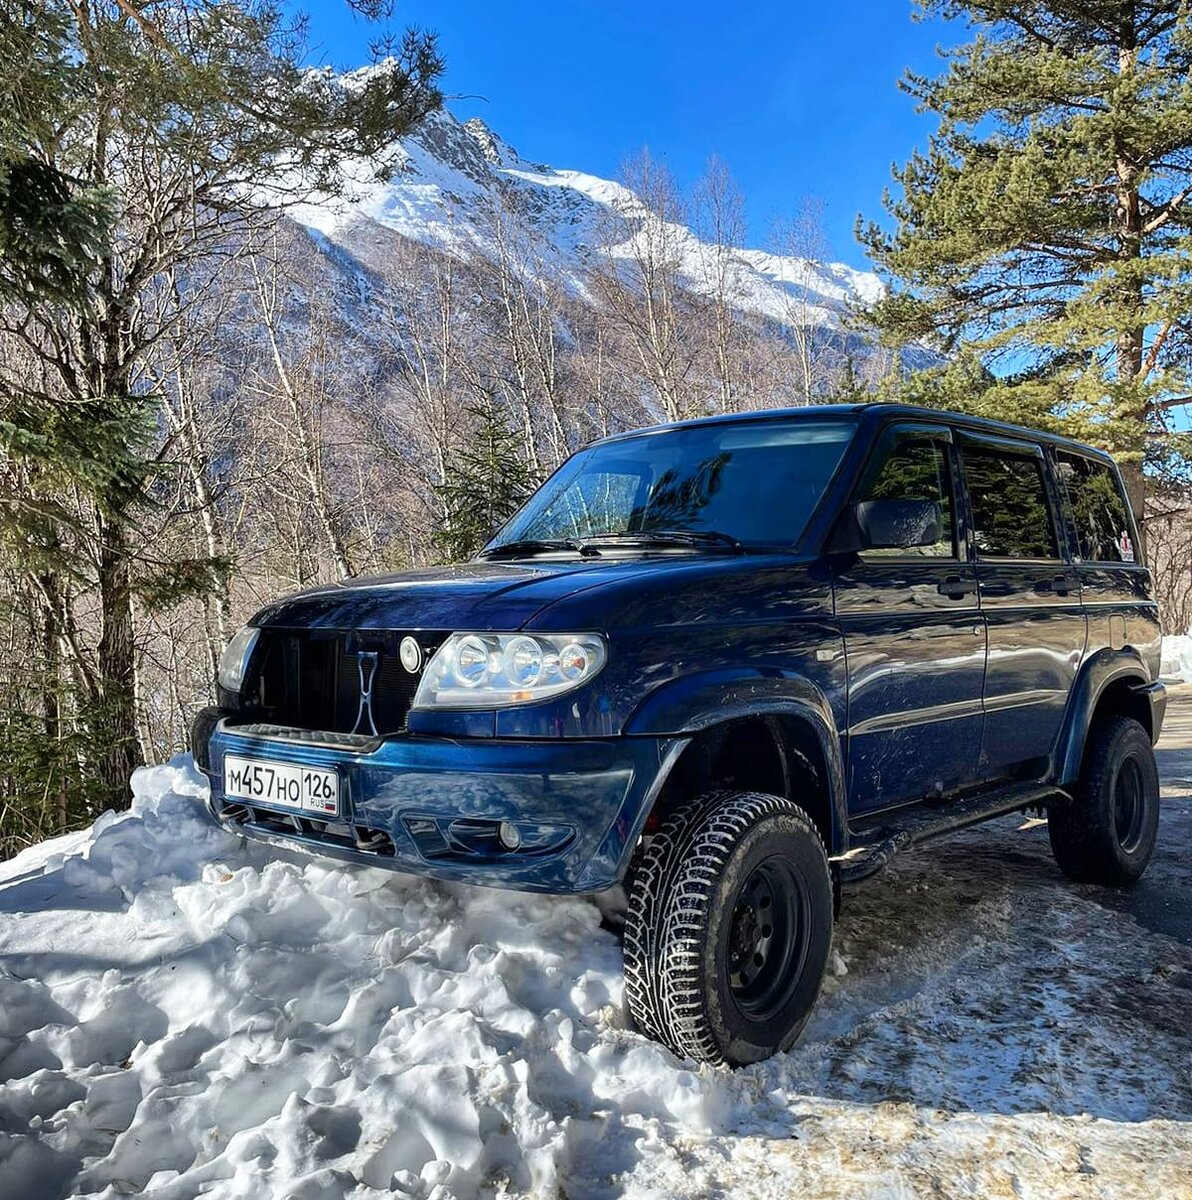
x=478 y=595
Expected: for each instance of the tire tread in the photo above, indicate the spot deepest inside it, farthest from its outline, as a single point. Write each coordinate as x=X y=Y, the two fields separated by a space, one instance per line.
x=674 y=882
x=1082 y=839
x=689 y=1031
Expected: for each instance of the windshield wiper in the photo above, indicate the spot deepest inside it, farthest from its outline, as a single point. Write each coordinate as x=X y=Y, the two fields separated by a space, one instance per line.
x=670 y=537
x=585 y=547
x=538 y=546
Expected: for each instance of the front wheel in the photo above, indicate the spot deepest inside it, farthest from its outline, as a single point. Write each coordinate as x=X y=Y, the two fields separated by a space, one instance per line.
x=1106 y=834
x=729 y=928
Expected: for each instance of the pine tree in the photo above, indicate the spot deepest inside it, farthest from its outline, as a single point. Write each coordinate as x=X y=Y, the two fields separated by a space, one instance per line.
x=190 y=121
x=487 y=481
x=1042 y=241
x=50 y=229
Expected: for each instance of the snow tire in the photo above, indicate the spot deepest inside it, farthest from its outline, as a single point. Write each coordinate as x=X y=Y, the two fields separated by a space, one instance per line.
x=649 y=885
x=694 y=909
x=1106 y=834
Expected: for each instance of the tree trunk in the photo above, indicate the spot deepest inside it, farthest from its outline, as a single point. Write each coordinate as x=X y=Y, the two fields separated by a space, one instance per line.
x=121 y=751
x=1129 y=347
x=51 y=690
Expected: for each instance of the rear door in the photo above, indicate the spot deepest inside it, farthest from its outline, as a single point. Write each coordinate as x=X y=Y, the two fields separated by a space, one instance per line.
x=1115 y=585
x=913 y=633
x=1030 y=597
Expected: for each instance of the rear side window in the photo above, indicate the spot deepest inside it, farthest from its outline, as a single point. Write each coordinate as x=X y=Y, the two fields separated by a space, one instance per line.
x=1098 y=508
x=1011 y=515
x=916 y=469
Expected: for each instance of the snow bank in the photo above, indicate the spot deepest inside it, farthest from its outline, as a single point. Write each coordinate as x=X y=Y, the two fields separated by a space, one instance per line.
x=184 y=1015
x=1177 y=658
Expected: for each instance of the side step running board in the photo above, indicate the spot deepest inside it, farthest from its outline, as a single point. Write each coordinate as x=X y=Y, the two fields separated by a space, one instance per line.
x=873 y=848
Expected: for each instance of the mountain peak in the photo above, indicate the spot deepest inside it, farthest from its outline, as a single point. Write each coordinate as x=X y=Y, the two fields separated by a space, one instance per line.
x=453 y=175
x=495 y=149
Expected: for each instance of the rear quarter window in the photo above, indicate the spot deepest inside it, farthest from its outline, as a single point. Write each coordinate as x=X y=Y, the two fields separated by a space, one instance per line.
x=1098 y=509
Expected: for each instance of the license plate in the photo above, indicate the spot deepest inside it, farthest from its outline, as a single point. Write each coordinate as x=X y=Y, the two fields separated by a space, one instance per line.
x=283 y=785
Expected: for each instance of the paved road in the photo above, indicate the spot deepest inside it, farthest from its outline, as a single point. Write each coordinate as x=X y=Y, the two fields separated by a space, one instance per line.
x=1162 y=899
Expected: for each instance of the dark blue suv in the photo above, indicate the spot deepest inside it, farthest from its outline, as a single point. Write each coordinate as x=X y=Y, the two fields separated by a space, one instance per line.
x=712 y=671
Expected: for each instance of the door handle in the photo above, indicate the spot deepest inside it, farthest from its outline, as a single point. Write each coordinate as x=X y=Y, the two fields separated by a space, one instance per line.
x=1058 y=584
x=956 y=588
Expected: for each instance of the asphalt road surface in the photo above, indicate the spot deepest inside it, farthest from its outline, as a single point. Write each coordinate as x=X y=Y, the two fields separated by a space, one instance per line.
x=1162 y=900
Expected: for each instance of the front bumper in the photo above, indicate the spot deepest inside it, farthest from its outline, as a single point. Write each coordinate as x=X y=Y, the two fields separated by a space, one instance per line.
x=433 y=806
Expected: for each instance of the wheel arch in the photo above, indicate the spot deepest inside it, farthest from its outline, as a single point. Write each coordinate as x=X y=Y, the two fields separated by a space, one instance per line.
x=1110 y=682
x=754 y=734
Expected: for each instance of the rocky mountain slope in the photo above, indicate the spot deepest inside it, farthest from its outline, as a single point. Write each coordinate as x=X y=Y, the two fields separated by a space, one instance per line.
x=447 y=181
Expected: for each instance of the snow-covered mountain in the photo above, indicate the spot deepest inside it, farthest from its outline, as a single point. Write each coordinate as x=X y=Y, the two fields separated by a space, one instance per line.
x=448 y=178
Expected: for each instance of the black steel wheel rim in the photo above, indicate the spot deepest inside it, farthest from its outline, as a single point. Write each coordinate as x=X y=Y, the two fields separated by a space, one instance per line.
x=1129 y=804
x=768 y=934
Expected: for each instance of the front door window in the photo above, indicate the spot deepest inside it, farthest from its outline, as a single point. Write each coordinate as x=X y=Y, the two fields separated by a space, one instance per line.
x=917 y=469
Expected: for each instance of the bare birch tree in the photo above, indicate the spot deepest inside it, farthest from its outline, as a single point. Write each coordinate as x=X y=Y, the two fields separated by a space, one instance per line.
x=719 y=219
x=811 y=335
x=639 y=282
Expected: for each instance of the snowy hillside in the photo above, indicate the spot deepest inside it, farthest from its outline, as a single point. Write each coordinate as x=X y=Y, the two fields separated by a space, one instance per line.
x=182 y=1015
x=448 y=178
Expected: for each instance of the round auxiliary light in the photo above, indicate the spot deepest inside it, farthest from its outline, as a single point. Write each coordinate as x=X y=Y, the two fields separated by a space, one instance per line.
x=523 y=661
x=411 y=654
x=509 y=834
x=471 y=661
x=573 y=661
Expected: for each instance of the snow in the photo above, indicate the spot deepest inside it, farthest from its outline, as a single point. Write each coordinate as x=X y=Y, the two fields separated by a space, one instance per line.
x=182 y=1014
x=1176 y=664
x=448 y=177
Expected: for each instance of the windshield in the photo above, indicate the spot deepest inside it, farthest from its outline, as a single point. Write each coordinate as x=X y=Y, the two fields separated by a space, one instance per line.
x=755 y=483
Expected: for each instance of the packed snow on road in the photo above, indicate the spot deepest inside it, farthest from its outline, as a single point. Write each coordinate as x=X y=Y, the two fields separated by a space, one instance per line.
x=182 y=1014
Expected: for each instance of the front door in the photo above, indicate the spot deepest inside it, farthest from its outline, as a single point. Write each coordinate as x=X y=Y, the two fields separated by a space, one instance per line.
x=1030 y=595
x=914 y=636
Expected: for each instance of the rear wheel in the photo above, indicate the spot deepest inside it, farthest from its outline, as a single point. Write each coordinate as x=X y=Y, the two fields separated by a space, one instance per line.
x=740 y=914
x=1106 y=835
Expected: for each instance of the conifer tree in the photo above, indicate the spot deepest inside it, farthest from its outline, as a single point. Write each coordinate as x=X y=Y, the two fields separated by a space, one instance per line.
x=190 y=121
x=1043 y=239
x=50 y=229
x=487 y=481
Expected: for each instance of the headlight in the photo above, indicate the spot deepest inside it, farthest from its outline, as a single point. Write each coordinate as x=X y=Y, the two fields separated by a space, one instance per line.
x=491 y=670
x=234 y=662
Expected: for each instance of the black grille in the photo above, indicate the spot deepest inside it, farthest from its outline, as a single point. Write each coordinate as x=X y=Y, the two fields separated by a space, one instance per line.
x=328 y=833
x=310 y=679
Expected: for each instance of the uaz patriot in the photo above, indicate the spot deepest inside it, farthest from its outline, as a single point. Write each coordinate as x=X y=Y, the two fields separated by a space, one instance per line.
x=718 y=669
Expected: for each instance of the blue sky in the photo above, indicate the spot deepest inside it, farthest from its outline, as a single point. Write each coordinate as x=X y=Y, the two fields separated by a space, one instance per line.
x=799 y=99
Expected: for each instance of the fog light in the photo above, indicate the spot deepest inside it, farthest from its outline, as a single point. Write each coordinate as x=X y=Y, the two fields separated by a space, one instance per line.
x=411 y=654
x=509 y=835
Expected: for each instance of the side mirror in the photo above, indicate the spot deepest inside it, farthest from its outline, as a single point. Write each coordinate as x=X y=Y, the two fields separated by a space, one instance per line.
x=898 y=524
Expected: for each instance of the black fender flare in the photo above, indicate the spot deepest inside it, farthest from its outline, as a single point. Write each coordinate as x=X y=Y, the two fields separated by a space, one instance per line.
x=1099 y=672
x=688 y=706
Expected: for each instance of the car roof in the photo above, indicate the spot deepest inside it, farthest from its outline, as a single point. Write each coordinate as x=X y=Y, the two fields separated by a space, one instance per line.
x=915 y=412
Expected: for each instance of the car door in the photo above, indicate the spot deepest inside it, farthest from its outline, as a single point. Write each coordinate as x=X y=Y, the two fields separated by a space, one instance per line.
x=1115 y=586
x=1030 y=596
x=913 y=632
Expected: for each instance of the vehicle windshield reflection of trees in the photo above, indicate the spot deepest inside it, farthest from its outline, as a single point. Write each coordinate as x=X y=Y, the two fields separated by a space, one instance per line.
x=756 y=485
x=677 y=501
x=1011 y=518
x=604 y=502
